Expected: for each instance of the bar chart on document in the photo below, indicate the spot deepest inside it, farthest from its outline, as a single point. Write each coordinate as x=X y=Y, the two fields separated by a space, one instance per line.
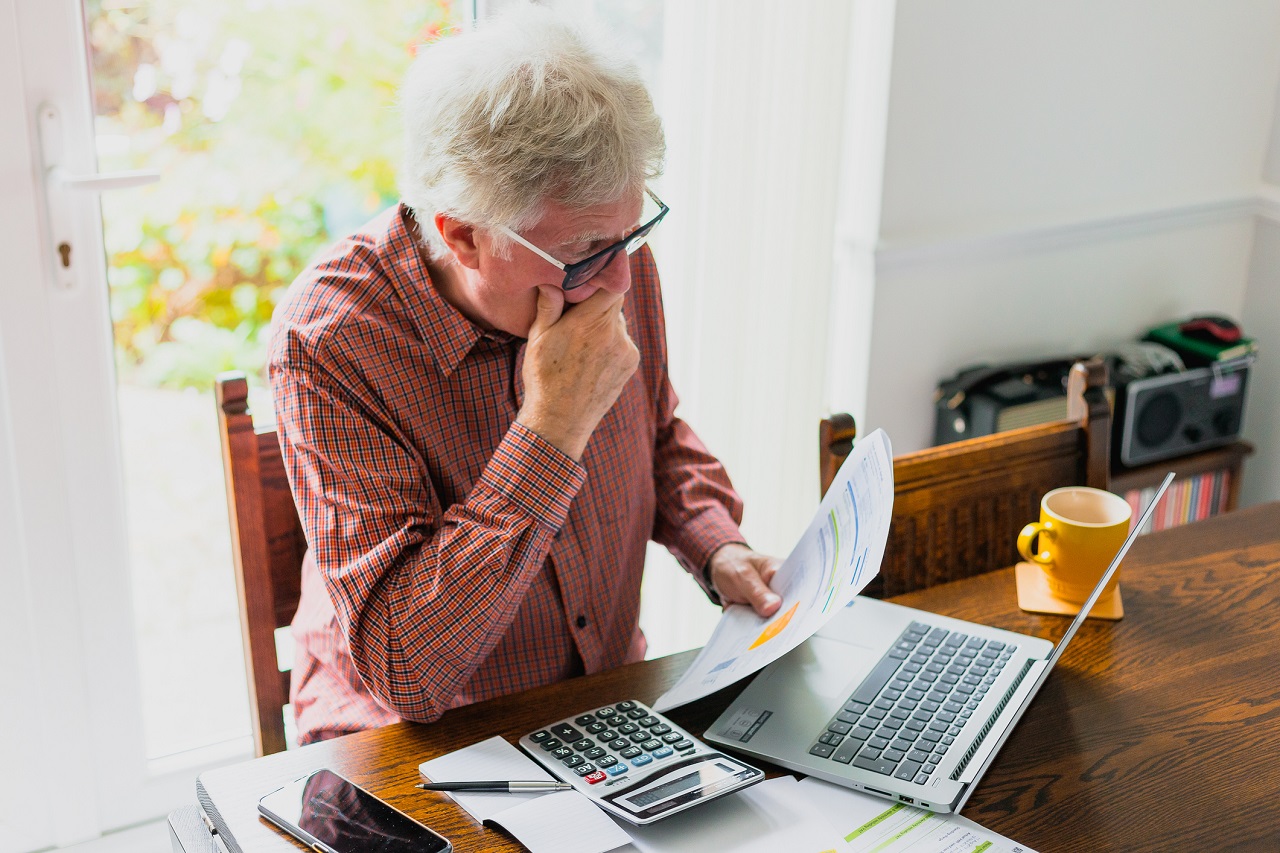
x=838 y=555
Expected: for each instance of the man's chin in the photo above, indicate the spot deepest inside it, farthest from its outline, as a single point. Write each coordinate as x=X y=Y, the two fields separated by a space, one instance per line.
x=520 y=328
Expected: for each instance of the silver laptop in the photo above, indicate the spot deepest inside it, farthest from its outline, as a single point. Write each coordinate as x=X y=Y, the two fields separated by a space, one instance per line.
x=898 y=702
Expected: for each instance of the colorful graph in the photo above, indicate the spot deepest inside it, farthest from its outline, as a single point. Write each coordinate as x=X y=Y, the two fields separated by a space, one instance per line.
x=775 y=627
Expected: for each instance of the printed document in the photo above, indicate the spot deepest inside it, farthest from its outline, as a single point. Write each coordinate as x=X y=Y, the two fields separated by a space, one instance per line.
x=836 y=558
x=867 y=824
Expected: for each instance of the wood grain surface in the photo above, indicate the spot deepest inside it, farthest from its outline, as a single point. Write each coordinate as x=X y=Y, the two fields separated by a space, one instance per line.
x=1156 y=733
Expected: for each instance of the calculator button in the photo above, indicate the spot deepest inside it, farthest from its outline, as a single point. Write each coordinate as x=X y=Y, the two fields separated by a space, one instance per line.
x=672 y=737
x=682 y=745
x=659 y=729
x=573 y=761
x=562 y=752
x=651 y=745
x=593 y=753
x=606 y=713
x=630 y=752
x=637 y=713
x=595 y=777
x=595 y=728
x=616 y=769
x=584 y=744
x=625 y=706
x=566 y=732
x=640 y=737
x=539 y=737
x=550 y=744
x=585 y=719
x=641 y=760
x=662 y=752
x=648 y=722
x=584 y=769
x=619 y=743
x=606 y=735
x=606 y=760
x=628 y=728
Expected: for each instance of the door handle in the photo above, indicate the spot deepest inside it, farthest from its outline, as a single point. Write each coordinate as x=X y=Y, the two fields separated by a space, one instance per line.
x=59 y=186
x=103 y=182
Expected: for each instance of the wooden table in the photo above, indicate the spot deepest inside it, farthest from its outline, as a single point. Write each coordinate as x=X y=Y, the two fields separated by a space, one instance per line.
x=1160 y=732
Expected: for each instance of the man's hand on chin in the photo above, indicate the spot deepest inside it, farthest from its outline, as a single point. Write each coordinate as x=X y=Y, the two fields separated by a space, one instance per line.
x=742 y=576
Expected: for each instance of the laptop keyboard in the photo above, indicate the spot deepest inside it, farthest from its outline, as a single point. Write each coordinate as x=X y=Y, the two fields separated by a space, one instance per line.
x=906 y=714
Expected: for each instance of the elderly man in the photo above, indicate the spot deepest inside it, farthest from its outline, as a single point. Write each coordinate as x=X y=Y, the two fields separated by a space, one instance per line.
x=473 y=398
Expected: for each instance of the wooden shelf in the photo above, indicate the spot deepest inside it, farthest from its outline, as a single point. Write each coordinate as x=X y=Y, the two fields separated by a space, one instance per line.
x=1229 y=457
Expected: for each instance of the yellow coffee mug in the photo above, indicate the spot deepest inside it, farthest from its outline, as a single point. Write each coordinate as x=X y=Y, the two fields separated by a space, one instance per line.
x=1079 y=531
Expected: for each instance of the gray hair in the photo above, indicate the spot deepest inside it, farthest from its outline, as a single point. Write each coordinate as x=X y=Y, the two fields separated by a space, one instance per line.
x=524 y=110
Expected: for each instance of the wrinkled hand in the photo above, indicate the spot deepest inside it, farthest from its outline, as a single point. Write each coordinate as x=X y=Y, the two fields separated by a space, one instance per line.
x=575 y=366
x=742 y=576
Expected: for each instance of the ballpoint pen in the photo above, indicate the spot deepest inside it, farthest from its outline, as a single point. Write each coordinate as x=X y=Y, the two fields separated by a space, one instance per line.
x=531 y=787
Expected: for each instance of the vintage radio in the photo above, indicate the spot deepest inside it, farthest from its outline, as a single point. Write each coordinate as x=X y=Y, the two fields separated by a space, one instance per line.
x=1172 y=414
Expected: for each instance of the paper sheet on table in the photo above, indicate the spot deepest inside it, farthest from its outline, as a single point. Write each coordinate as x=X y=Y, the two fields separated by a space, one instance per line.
x=765 y=818
x=535 y=819
x=488 y=760
x=563 y=822
x=866 y=823
x=838 y=555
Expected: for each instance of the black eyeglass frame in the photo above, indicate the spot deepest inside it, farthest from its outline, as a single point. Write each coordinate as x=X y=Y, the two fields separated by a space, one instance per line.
x=580 y=272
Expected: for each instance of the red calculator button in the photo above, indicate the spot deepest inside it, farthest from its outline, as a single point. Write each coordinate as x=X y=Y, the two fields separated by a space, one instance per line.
x=593 y=778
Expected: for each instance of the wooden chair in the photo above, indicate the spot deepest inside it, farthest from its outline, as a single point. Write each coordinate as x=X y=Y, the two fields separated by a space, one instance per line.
x=268 y=545
x=957 y=508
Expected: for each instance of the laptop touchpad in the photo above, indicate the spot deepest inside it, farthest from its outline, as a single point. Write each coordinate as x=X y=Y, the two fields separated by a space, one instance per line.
x=826 y=668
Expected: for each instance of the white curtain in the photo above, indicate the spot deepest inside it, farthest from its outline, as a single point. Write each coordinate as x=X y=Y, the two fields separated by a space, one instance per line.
x=753 y=96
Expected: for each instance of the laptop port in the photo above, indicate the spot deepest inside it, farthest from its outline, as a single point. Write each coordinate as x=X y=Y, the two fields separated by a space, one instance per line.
x=907 y=799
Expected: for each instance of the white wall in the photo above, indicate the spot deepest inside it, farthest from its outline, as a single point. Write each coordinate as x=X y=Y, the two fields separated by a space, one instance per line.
x=1059 y=177
x=1010 y=115
x=1261 y=315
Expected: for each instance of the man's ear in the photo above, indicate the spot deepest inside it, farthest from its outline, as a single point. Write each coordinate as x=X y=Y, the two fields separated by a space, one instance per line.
x=460 y=238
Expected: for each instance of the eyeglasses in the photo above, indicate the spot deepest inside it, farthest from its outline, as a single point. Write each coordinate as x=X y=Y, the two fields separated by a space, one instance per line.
x=580 y=272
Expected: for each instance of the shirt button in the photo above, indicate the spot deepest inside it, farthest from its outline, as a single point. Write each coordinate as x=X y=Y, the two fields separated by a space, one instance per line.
x=582 y=621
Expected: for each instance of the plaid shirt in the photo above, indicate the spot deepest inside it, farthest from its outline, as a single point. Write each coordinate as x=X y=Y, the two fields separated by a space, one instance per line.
x=456 y=555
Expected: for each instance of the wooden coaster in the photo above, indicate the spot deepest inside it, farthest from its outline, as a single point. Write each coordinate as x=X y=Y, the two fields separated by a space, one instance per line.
x=1034 y=596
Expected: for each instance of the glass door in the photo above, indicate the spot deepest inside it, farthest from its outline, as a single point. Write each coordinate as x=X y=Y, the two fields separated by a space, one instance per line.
x=273 y=128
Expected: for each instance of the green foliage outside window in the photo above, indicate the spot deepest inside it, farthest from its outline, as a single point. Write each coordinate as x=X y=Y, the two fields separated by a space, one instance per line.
x=274 y=127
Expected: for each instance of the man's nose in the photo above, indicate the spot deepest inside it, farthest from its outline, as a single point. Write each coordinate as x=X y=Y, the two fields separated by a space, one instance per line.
x=616 y=276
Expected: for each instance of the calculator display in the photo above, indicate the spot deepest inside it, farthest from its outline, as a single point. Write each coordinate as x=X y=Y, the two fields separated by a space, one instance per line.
x=700 y=778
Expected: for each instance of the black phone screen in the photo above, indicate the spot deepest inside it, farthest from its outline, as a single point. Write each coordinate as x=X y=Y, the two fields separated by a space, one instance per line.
x=346 y=818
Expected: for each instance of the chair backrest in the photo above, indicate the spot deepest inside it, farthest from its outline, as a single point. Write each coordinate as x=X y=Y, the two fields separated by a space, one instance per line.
x=268 y=545
x=957 y=508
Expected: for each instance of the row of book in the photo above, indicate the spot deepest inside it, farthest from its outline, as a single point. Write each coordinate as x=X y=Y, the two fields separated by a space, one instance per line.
x=1189 y=499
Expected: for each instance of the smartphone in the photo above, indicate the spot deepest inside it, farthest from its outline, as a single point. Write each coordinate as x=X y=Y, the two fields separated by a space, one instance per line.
x=331 y=814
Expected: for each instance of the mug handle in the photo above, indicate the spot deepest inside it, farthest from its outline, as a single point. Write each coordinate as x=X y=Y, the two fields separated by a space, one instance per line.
x=1028 y=535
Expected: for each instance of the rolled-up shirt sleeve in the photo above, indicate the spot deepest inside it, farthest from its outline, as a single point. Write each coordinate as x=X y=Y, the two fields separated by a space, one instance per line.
x=406 y=575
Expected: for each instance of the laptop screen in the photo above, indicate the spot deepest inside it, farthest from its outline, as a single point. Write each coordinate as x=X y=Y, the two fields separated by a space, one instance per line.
x=1103 y=581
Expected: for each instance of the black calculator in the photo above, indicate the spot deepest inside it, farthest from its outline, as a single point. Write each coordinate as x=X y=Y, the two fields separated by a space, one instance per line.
x=635 y=763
